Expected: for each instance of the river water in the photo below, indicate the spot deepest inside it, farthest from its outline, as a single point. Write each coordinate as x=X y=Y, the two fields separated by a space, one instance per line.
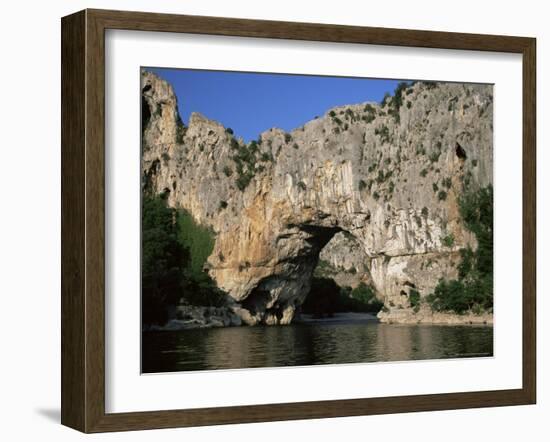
x=316 y=342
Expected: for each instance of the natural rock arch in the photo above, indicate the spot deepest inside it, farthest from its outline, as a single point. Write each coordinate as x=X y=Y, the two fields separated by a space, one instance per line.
x=276 y=297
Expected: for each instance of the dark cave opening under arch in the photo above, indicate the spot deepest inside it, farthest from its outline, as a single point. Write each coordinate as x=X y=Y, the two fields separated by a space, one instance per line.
x=319 y=295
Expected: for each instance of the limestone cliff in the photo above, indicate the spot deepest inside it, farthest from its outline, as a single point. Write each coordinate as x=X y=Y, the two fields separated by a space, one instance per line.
x=370 y=187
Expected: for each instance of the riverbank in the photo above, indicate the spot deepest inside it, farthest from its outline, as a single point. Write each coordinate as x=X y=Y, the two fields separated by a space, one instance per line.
x=426 y=316
x=337 y=318
x=190 y=317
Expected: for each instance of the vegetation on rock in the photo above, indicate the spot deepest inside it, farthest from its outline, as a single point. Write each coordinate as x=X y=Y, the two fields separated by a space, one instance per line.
x=473 y=290
x=321 y=188
x=163 y=260
x=326 y=298
x=174 y=251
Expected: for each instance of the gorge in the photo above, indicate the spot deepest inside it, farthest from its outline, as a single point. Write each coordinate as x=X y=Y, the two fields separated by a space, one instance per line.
x=367 y=193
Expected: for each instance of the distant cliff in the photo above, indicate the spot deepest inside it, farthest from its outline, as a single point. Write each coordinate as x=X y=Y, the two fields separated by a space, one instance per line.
x=372 y=188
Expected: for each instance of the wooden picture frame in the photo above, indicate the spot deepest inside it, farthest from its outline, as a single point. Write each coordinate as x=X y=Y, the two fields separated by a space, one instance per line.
x=83 y=220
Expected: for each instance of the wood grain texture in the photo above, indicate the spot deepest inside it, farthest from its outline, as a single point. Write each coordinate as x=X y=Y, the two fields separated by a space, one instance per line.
x=95 y=222
x=143 y=21
x=529 y=220
x=83 y=220
x=73 y=126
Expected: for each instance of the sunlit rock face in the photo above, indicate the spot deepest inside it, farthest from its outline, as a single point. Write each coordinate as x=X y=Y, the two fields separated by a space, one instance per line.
x=388 y=182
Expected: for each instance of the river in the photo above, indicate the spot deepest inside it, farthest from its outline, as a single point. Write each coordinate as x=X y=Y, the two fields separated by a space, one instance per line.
x=336 y=341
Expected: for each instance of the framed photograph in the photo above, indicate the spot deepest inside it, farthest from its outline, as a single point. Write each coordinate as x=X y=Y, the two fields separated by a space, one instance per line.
x=268 y=220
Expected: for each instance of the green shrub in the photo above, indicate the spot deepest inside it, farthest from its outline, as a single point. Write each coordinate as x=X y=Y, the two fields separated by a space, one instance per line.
x=476 y=209
x=199 y=240
x=414 y=298
x=181 y=130
x=376 y=195
x=395 y=114
x=253 y=146
x=323 y=269
x=461 y=296
x=362 y=185
x=244 y=180
x=223 y=205
x=288 y=138
x=174 y=251
x=302 y=185
x=442 y=195
x=424 y=211
x=163 y=260
x=227 y=171
x=434 y=156
x=423 y=173
x=245 y=159
x=164 y=194
x=473 y=290
x=448 y=240
x=452 y=102
x=366 y=296
x=429 y=84
x=326 y=298
x=370 y=113
x=397 y=99
x=383 y=132
x=229 y=131
x=265 y=156
x=369 y=108
x=467 y=262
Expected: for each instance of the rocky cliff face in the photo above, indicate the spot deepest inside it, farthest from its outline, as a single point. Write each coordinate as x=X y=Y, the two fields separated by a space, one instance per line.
x=369 y=187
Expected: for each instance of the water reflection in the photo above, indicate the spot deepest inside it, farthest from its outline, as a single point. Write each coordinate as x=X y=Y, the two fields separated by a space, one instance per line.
x=309 y=344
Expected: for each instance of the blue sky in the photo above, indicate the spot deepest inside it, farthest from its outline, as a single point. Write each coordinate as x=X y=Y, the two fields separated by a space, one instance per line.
x=251 y=103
